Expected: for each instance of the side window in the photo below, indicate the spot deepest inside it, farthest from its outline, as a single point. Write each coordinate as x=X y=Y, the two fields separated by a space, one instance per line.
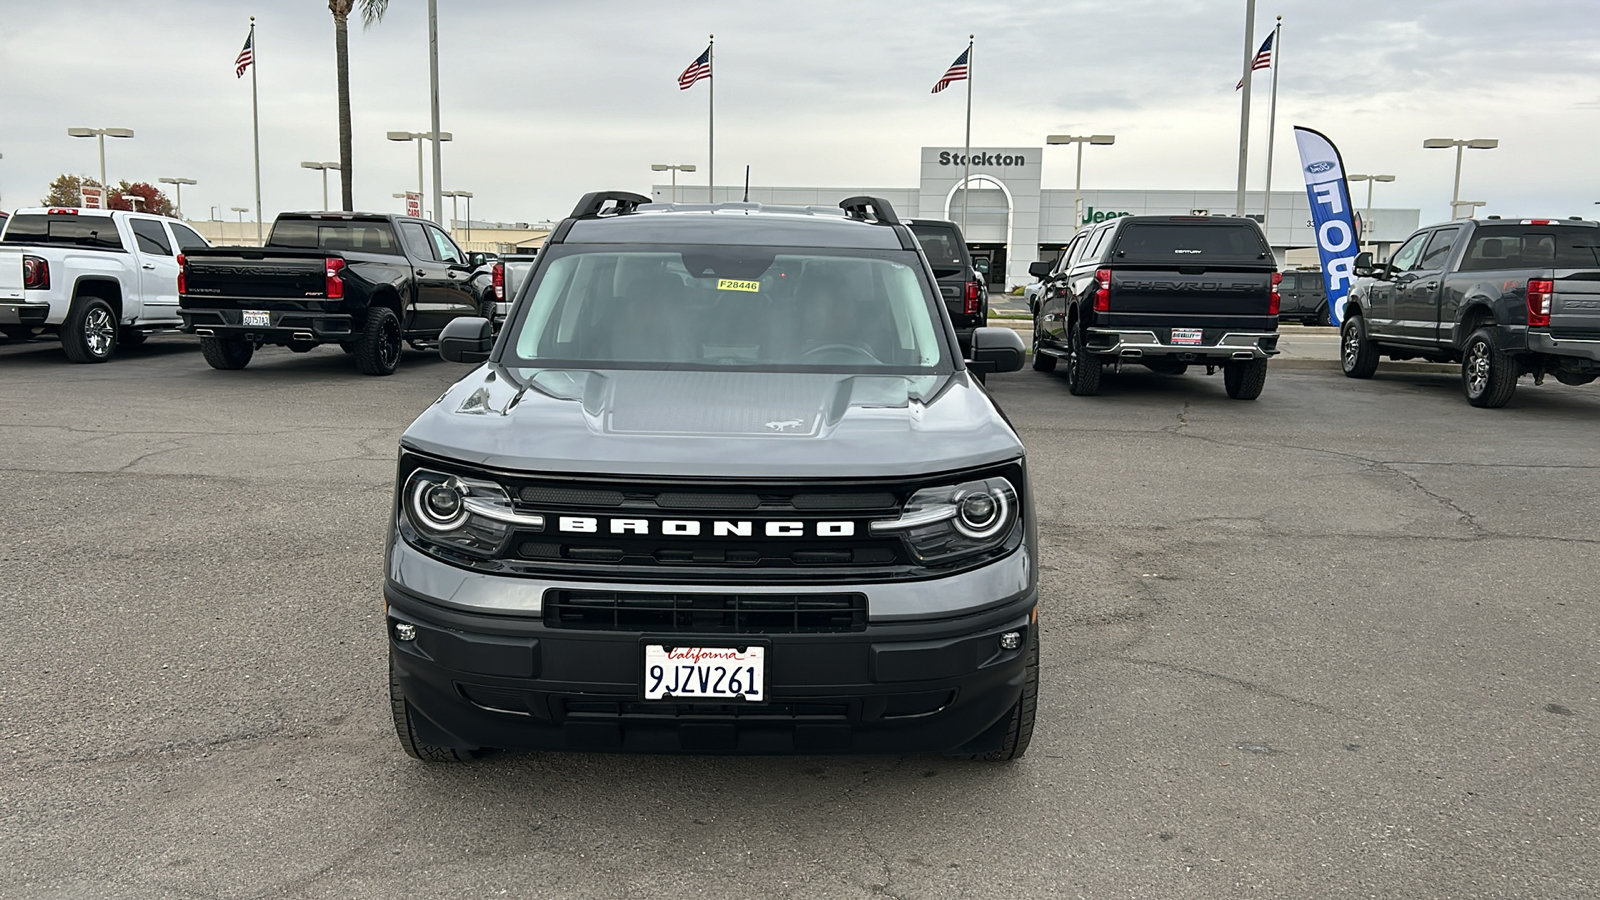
x=446 y=249
x=1438 y=252
x=417 y=243
x=1074 y=250
x=151 y=236
x=1406 y=256
x=1096 y=243
x=186 y=237
x=1289 y=282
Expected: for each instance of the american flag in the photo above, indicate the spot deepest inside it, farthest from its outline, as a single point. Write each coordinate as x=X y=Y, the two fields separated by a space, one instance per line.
x=700 y=68
x=246 y=56
x=956 y=72
x=1263 y=59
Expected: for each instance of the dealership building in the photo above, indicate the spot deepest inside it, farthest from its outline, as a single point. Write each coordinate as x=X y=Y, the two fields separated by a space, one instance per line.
x=1012 y=221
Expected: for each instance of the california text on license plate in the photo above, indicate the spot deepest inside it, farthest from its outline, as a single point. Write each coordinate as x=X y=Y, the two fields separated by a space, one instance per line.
x=723 y=673
x=256 y=317
x=1186 y=336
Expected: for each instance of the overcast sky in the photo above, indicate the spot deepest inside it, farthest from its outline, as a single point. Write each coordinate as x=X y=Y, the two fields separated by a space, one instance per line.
x=548 y=99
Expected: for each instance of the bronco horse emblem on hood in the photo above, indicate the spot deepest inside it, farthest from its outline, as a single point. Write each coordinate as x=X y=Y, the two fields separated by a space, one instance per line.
x=786 y=423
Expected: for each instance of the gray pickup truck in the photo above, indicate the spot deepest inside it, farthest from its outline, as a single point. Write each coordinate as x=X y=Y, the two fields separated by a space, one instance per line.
x=1504 y=297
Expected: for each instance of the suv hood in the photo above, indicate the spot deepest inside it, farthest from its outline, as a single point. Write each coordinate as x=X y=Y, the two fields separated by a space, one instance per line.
x=698 y=424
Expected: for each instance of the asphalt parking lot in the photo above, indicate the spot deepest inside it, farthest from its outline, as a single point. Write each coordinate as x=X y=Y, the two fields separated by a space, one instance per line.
x=1339 y=642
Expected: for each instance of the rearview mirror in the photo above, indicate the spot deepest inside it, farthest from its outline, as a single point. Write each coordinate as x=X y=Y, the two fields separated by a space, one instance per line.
x=1363 y=264
x=995 y=350
x=467 y=340
x=1040 y=270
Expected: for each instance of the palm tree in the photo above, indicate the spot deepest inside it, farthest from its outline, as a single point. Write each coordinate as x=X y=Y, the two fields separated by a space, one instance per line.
x=371 y=13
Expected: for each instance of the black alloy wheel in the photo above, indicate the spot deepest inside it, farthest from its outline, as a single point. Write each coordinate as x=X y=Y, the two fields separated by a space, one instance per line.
x=226 y=353
x=378 y=351
x=1042 y=362
x=1083 y=368
x=1358 y=356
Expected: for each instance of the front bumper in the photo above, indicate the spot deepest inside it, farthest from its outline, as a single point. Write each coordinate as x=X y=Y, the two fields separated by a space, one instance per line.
x=1137 y=343
x=512 y=682
x=297 y=326
x=23 y=313
x=1542 y=342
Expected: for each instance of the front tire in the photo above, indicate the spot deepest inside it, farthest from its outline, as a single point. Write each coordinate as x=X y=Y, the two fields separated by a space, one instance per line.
x=406 y=730
x=378 y=351
x=1042 y=362
x=226 y=353
x=89 y=335
x=1488 y=376
x=1019 y=729
x=1083 y=368
x=1358 y=356
x=1244 y=380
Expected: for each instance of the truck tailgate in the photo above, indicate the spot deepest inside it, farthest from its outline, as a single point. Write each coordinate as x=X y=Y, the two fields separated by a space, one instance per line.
x=227 y=277
x=1575 y=305
x=11 y=274
x=1207 y=298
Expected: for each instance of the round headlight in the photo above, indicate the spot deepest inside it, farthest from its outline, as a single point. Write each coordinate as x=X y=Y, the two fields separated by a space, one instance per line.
x=982 y=513
x=439 y=505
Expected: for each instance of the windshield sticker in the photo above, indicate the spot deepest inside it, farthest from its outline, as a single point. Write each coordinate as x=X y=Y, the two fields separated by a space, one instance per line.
x=728 y=284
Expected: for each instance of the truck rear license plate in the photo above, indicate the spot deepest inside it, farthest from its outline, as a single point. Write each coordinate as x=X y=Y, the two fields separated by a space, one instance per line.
x=720 y=673
x=1186 y=336
x=258 y=317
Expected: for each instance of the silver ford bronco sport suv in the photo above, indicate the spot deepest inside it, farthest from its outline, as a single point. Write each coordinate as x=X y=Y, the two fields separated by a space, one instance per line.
x=722 y=484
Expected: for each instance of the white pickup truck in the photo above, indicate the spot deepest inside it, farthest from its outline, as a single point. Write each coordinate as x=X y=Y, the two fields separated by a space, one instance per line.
x=96 y=278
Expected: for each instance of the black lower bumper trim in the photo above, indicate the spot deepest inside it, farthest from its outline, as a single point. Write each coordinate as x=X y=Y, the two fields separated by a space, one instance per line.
x=288 y=326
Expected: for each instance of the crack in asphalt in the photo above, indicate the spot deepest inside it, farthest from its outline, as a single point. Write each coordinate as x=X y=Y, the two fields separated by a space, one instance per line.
x=1249 y=686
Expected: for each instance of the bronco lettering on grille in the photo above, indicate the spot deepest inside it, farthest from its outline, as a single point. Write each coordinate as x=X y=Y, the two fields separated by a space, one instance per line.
x=697 y=528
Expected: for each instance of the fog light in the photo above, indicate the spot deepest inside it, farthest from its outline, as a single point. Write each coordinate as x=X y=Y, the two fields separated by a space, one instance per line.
x=1011 y=640
x=407 y=632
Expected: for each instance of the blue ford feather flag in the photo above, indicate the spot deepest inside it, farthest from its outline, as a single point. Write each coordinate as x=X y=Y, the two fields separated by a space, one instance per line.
x=1330 y=214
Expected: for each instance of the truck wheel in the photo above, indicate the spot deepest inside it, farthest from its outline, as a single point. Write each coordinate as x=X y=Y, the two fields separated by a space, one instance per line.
x=1488 y=376
x=1083 y=368
x=378 y=351
x=1244 y=380
x=89 y=335
x=226 y=353
x=486 y=307
x=1358 y=357
x=405 y=728
x=1019 y=731
x=1320 y=317
x=1042 y=362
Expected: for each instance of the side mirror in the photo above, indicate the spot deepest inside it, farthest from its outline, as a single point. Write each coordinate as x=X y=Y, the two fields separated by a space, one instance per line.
x=1040 y=270
x=995 y=350
x=1363 y=264
x=476 y=259
x=467 y=340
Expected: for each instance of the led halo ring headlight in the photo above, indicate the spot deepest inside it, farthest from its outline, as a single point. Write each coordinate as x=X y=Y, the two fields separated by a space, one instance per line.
x=473 y=515
x=981 y=514
x=438 y=506
x=945 y=523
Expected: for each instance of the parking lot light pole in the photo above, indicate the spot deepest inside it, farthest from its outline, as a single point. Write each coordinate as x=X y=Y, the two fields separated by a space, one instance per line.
x=241 y=210
x=102 y=134
x=663 y=167
x=324 y=166
x=1077 y=188
x=177 y=188
x=1459 y=144
x=1366 y=221
x=453 y=216
x=419 y=137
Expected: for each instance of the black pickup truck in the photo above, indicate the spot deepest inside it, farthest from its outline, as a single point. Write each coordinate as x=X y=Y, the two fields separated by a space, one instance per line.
x=365 y=281
x=1504 y=297
x=1163 y=292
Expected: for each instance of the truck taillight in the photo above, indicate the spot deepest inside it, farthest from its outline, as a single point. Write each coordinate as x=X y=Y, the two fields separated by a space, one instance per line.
x=500 y=282
x=334 y=289
x=1540 y=291
x=1275 y=302
x=973 y=302
x=35 y=273
x=1102 y=294
x=183 y=275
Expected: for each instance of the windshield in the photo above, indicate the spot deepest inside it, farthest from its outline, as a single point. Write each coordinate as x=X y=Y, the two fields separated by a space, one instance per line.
x=941 y=245
x=367 y=236
x=751 y=308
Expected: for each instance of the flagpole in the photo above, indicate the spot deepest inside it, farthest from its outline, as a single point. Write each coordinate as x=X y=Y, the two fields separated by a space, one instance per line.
x=966 y=156
x=1272 y=119
x=711 y=121
x=1244 y=101
x=255 y=121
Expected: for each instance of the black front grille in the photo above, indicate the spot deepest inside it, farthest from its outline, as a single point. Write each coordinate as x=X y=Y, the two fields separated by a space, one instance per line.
x=705 y=613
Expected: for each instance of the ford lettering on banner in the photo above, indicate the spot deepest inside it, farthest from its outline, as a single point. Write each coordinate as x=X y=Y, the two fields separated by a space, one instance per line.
x=1330 y=215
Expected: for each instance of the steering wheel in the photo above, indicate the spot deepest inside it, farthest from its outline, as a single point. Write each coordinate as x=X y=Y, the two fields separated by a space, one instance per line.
x=848 y=350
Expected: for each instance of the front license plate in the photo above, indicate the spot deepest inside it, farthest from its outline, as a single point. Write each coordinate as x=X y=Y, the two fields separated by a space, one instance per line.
x=1186 y=336
x=718 y=673
x=258 y=317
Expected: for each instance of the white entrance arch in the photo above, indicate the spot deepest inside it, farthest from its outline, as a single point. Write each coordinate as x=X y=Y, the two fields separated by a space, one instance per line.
x=979 y=182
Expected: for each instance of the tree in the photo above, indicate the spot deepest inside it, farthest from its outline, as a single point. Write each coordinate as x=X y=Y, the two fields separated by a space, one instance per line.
x=67 y=190
x=371 y=13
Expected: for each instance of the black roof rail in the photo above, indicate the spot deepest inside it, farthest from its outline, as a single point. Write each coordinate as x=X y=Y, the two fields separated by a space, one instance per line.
x=594 y=203
x=863 y=207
